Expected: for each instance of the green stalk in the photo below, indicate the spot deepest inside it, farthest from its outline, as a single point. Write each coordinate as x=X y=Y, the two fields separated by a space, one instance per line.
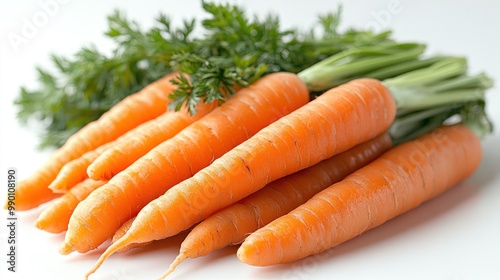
x=475 y=118
x=427 y=126
x=444 y=82
x=416 y=123
x=471 y=114
x=441 y=70
x=477 y=81
x=355 y=63
x=418 y=98
x=427 y=98
x=397 y=69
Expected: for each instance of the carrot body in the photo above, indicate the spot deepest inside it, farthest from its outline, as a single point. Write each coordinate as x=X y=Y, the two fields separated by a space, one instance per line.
x=55 y=218
x=234 y=223
x=396 y=182
x=178 y=158
x=338 y=120
x=147 y=136
x=133 y=110
x=113 y=157
x=75 y=171
x=121 y=232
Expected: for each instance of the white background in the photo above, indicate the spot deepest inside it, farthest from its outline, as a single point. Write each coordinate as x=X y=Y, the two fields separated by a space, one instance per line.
x=456 y=236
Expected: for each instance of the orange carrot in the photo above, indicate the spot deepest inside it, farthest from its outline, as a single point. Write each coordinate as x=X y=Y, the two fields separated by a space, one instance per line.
x=147 y=136
x=232 y=224
x=75 y=171
x=338 y=120
x=121 y=232
x=133 y=110
x=178 y=158
x=396 y=182
x=120 y=153
x=55 y=218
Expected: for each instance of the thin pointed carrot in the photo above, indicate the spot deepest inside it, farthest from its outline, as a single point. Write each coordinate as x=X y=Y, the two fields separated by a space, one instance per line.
x=336 y=121
x=128 y=150
x=398 y=181
x=234 y=223
x=75 y=171
x=121 y=232
x=180 y=157
x=133 y=110
x=55 y=217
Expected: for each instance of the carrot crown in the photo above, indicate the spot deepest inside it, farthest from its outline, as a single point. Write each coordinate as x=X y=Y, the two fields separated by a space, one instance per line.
x=440 y=93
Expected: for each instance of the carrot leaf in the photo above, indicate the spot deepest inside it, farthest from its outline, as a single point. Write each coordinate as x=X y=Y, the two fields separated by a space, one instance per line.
x=233 y=49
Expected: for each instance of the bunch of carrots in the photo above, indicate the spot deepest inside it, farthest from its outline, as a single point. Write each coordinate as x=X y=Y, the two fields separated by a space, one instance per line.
x=289 y=166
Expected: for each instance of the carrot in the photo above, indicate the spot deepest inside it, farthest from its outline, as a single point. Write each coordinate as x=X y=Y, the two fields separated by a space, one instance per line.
x=75 y=171
x=336 y=121
x=148 y=136
x=398 y=181
x=55 y=218
x=133 y=110
x=120 y=153
x=121 y=232
x=232 y=224
x=178 y=158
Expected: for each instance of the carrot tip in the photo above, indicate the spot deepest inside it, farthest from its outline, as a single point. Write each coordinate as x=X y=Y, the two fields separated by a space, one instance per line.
x=57 y=189
x=120 y=243
x=66 y=248
x=244 y=254
x=180 y=258
x=38 y=224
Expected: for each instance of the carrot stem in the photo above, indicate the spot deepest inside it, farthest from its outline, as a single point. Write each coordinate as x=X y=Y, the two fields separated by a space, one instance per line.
x=405 y=127
x=441 y=70
x=404 y=67
x=355 y=63
x=480 y=80
x=420 y=98
x=475 y=118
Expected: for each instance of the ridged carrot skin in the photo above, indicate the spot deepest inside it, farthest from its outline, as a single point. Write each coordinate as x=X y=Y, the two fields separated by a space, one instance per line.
x=133 y=110
x=398 y=181
x=180 y=157
x=128 y=150
x=75 y=171
x=56 y=216
x=109 y=159
x=234 y=223
x=338 y=120
x=121 y=232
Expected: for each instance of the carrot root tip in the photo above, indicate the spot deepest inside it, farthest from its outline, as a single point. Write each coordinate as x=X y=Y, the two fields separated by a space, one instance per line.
x=120 y=243
x=180 y=258
x=66 y=248
x=244 y=254
x=58 y=189
x=38 y=224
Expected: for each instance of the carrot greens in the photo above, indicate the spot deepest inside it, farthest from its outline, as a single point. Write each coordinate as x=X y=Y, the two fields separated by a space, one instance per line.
x=234 y=49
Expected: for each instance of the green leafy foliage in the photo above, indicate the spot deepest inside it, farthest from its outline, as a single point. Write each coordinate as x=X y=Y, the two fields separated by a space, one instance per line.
x=234 y=50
